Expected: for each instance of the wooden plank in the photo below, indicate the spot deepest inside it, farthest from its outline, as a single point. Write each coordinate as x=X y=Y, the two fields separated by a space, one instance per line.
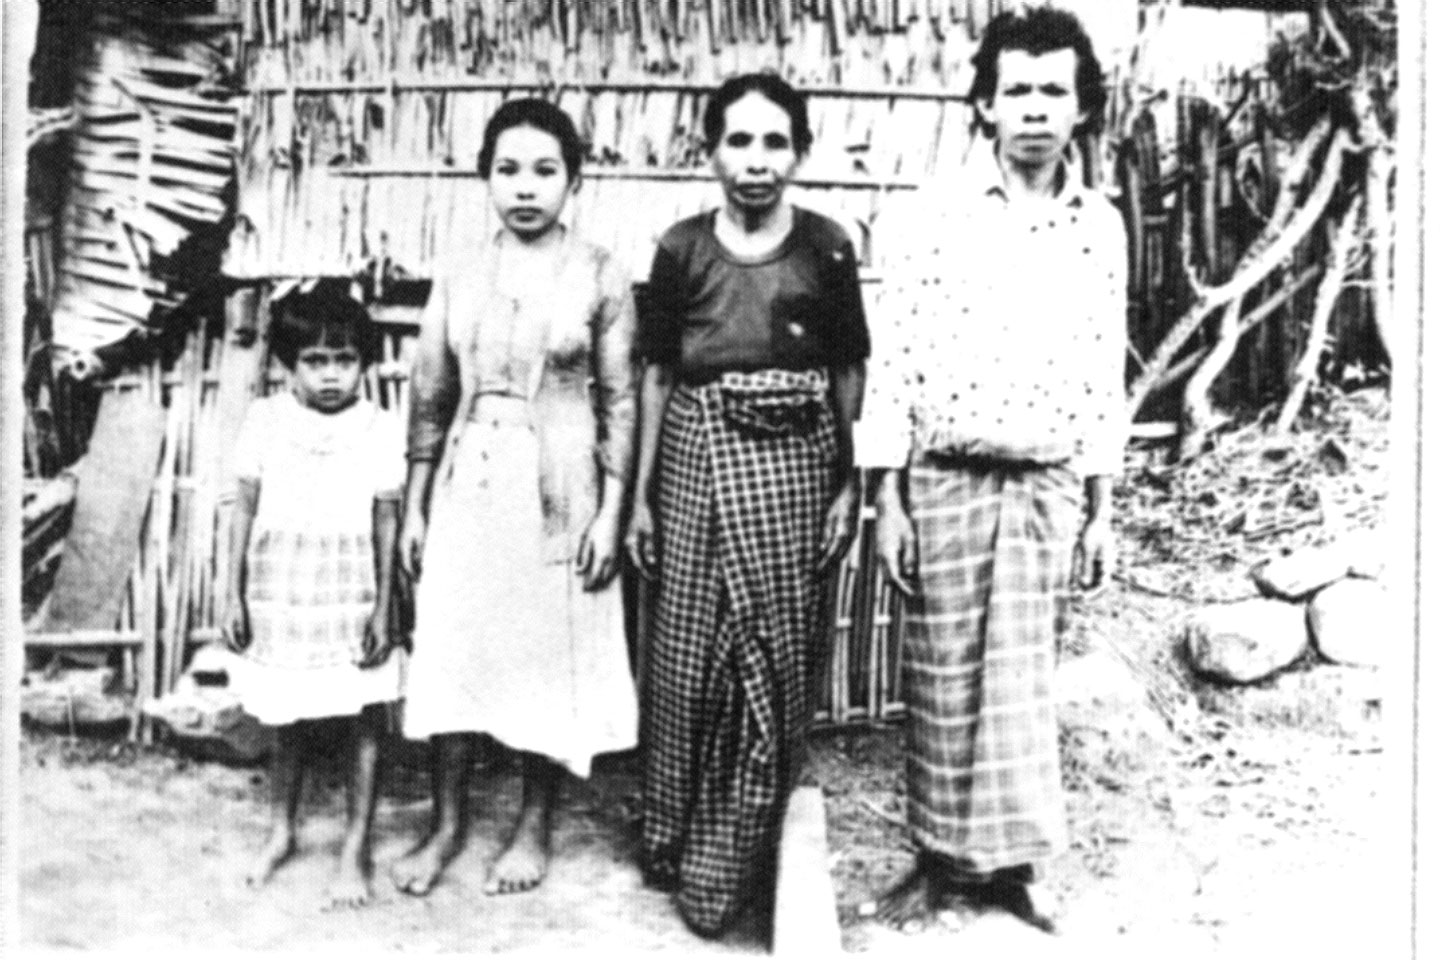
x=84 y=638
x=109 y=508
x=806 y=921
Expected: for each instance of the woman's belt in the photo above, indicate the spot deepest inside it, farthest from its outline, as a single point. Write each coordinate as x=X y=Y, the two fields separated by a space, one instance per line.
x=500 y=410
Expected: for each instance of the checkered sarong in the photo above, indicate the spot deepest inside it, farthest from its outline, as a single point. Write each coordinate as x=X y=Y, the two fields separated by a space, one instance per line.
x=308 y=594
x=982 y=764
x=746 y=470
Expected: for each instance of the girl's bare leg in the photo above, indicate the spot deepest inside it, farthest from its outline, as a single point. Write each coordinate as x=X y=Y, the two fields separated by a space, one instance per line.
x=451 y=756
x=285 y=783
x=351 y=886
x=522 y=864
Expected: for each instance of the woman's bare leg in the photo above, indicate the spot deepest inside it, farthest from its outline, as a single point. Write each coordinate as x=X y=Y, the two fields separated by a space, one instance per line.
x=451 y=756
x=522 y=864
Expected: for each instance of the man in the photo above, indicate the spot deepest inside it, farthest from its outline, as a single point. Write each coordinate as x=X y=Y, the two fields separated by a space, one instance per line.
x=996 y=408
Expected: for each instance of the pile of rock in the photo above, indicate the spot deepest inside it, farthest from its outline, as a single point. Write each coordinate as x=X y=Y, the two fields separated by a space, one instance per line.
x=1331 y=596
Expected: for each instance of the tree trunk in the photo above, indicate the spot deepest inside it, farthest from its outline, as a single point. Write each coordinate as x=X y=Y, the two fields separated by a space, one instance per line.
x=1307 y=368
x=1255 y=266
x=1198 y=417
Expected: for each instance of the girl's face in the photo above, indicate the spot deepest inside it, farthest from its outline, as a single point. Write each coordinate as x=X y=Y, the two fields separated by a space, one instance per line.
x=528 y=181
x=327 y=378
x=755 y=157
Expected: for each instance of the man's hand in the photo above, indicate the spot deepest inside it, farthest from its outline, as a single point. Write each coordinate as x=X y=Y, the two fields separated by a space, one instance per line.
x=1093 y=553
x=896 y=543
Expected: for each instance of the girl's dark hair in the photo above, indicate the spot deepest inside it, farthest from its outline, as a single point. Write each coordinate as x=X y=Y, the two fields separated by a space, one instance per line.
x=772 y=88
x=1038 y=30
x=326 y=316
x=542 y=115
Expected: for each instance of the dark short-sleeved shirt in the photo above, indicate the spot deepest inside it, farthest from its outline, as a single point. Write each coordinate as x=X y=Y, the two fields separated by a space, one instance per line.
x=707 y=311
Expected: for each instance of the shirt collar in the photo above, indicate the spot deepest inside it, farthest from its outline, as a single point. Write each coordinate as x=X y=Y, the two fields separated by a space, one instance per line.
x=990 y=181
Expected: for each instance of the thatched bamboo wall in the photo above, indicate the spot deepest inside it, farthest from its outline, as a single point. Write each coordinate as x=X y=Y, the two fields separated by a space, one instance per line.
x=364 y=119
x=359 y=127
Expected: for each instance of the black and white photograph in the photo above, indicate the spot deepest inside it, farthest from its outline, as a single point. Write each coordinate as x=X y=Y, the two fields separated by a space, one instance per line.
x=713 y=477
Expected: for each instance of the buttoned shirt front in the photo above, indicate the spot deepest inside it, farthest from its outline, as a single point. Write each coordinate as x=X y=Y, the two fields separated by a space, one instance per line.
x=1000 y=328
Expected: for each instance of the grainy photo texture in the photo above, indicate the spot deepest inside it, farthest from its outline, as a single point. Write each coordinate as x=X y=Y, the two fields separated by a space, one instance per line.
x=710 y=476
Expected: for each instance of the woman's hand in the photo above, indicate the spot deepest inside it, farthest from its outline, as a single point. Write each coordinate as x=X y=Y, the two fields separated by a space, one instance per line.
x=839 y=524
x=598 y=558
x=234 y=623
x=411 y=544
x=378 y=639
x=898 y=547
x=641 y=541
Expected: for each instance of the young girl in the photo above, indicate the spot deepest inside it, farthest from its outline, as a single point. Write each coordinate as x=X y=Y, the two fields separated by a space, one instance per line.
x=520 y=446
x=311 y=567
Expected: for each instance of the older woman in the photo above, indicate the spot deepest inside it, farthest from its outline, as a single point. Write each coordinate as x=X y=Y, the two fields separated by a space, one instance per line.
x=754 y=341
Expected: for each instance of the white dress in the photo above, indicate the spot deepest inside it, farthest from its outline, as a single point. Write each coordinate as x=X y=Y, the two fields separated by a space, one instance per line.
x=507 y=641
x=310 y=566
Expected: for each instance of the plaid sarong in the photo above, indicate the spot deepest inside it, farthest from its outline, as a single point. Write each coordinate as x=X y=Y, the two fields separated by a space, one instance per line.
x=746 y=471
x=982 y=759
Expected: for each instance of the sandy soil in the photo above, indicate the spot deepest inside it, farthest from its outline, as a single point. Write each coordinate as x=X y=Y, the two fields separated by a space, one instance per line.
x=1269 y=829
x=1273 y=829
x=133 y=849
x=1204 y=821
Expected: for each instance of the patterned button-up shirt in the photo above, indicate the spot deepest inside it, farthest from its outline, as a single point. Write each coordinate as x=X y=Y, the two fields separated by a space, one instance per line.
x=1000 y=330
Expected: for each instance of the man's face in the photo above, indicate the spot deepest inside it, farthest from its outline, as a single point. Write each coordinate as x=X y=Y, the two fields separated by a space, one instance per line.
x=1036 y=108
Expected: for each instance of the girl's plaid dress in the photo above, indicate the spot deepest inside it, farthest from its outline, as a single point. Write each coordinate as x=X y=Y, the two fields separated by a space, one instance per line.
x=310 y=566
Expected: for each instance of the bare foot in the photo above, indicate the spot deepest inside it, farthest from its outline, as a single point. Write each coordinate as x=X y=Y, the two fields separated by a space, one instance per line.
x=417 y=872
x=1031 y=903
x=910 y=902
x=279 y=848
x=522 y=864
x=351 y=886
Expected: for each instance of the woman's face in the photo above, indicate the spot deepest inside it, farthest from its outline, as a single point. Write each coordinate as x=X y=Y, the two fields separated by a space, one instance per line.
x=528 y=181
x=755 y=157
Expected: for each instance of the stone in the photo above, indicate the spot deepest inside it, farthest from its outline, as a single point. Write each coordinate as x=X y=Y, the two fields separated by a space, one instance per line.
x=1297 y=576
x=1246 y=641
x=1354 y=621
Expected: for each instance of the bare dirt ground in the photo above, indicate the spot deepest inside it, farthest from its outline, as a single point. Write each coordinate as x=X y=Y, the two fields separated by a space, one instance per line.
x=1204 y=821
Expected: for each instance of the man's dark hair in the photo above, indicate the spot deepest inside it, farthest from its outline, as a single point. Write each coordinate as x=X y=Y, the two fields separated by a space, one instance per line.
x=1039 y=30
x=542 y=115
x=772 y=88
x=325 y=316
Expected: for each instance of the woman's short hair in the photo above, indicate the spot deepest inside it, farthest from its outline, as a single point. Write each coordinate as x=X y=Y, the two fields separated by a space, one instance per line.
x=772 y=88
x=1039 y=30
x=542 y=115
x=325 y=316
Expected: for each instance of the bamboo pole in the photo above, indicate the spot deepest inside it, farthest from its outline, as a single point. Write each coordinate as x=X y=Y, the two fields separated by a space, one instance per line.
x=509 y=85
x=698 y=174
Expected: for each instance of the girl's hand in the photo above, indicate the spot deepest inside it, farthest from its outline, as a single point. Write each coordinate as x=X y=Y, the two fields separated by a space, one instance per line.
x=599 y=556
x=411 y=545
x=234 y=624
x=641 y=542
x=375 y=645
x=897 y=546
x=839 y=525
